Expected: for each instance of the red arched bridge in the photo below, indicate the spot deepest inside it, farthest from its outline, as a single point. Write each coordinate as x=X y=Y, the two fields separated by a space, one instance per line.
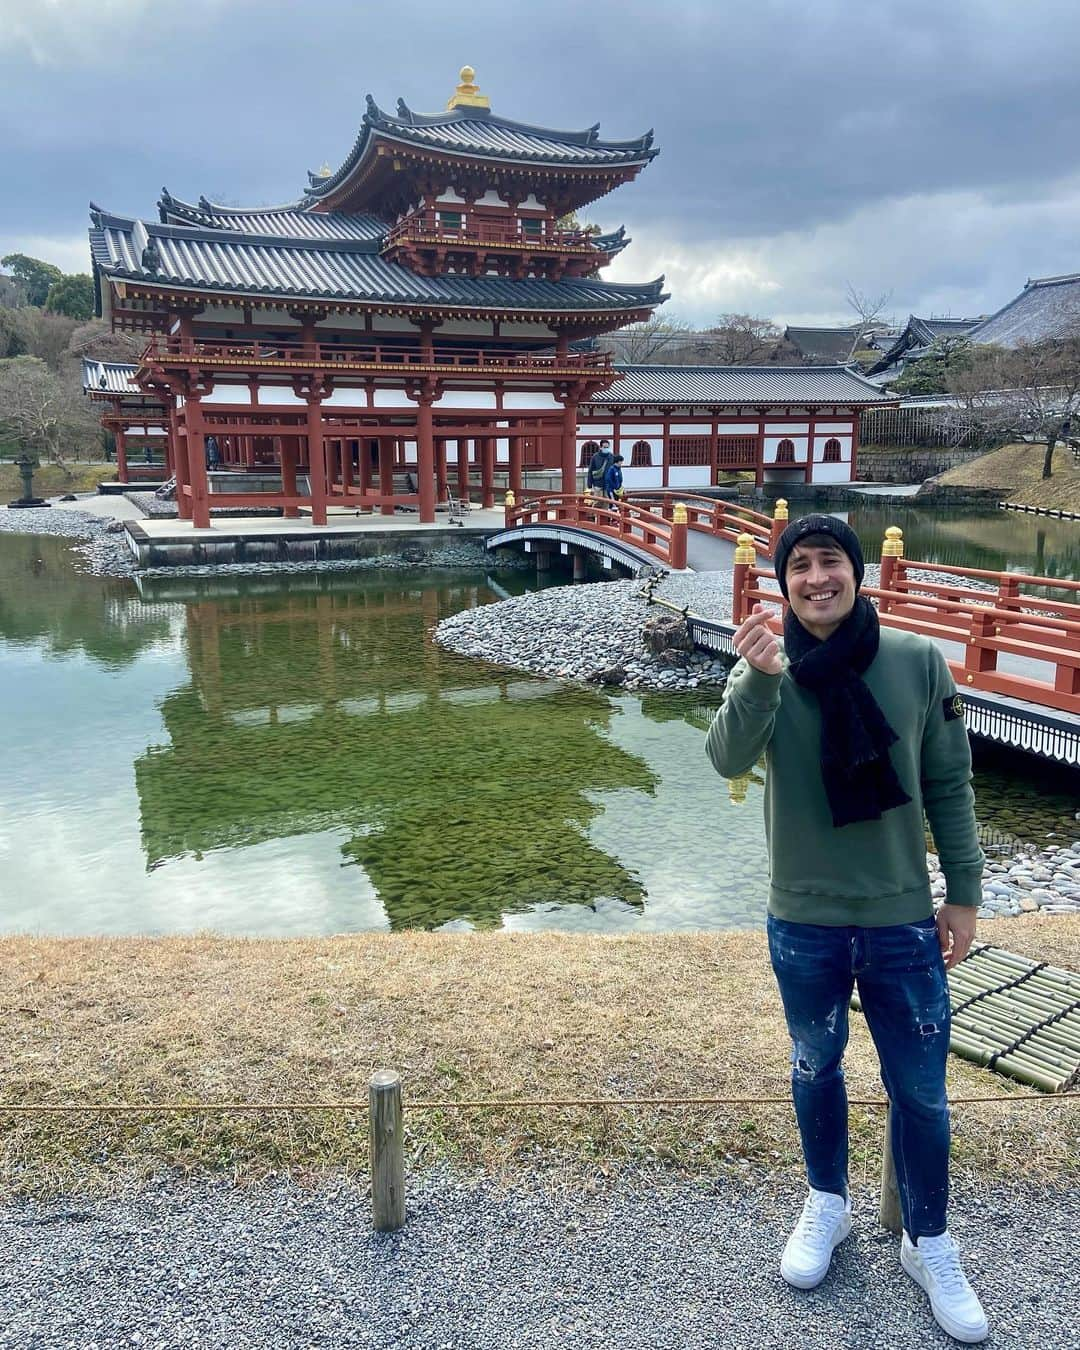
x=1014 y=653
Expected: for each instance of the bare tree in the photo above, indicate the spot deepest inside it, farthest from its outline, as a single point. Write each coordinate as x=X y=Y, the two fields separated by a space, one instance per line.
x=39 y=411
x=740 y=340
x=653 y=340
x=869 y=309
x=1030 y=393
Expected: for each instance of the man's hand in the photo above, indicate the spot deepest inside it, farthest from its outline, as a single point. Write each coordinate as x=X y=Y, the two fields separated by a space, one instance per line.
x=956 y=928
x=757 y=644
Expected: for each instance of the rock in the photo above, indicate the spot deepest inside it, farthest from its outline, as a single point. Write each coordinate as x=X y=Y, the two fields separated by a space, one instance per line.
x=667 y=632
x=114 y=527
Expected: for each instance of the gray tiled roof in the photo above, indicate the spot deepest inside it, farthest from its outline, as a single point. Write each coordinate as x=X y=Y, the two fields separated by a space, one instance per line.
x=1047 y=307
x=480 y=133
x=109 y=377
x=797 y=385
x=197 y=258
x=287 y=222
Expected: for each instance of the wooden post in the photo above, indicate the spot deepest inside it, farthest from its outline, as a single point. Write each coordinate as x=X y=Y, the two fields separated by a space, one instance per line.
x=387 y=1146
x=568 y=449
x=386 y=475
x=889 y=1211
x=677 y=554
x=487 y=472
x=425 y=460
x=744 y=563
x=779 y=525
x=196 y=449
x=316 y=459
x=121 y=454
x=891 y=551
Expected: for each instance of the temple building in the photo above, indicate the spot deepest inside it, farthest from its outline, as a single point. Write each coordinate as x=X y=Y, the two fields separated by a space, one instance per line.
x=415 y=325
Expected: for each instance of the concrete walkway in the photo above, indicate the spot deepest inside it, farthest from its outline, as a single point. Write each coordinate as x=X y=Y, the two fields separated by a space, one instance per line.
x=96 y=504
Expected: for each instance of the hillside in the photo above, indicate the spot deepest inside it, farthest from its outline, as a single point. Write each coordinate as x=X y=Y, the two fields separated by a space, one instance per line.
x=1017 y=471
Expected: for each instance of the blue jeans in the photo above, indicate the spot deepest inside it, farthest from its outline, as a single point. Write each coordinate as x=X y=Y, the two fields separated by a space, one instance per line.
x=901 y=980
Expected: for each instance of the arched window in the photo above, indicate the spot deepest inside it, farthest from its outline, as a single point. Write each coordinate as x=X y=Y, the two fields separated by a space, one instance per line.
x=832 y=451
x=587 y=451
x=641 y=455
x=785 y=452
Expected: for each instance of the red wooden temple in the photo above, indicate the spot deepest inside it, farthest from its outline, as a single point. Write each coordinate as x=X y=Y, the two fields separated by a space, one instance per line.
x=387 y=339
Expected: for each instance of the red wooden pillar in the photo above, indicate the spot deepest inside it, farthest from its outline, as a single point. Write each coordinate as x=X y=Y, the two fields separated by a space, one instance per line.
x=347 y=465
x=759 y=467
x=288 y=474
x=855 y=424
x=425 y=460
x=442 y=480
x=487 y=471
x=386 y=474
x=120 y=436
x=809 y=475
x=364 y=459
x=316 y=460
x=463 y=447
x=514 y=482
x=180 y=468
x=196 y=457
x=568 y=447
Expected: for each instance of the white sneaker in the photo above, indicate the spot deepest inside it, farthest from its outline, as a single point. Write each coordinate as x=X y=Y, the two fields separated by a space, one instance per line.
x=935 y=1264
x=824 y=1224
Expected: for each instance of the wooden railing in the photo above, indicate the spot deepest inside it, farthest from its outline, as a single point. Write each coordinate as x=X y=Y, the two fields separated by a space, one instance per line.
x=475 y=229
x=621 y=520
x=166 y=348
x=986 y=623
x=724 y=519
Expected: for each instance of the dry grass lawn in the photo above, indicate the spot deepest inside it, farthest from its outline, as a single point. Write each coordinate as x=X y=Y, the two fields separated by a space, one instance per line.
x=461 y=1016
x=1017 y=471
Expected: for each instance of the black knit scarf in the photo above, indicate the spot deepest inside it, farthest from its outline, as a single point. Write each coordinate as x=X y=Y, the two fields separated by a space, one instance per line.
x=860 y=781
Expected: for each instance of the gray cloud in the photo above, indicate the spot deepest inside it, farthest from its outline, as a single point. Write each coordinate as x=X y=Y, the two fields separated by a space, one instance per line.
x=929 y=148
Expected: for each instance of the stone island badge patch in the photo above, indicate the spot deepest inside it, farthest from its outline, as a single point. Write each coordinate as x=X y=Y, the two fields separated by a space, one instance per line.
x=953 y=708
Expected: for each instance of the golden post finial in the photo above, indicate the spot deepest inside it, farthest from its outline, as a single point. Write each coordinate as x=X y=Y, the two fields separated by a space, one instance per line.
x=678 y=513
x=467 y=94
x=744 y=552
x=781 y=509
x=893 y=547
x=511 y=500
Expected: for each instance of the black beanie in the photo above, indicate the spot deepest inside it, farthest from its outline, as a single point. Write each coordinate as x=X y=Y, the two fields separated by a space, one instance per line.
x=834 y=527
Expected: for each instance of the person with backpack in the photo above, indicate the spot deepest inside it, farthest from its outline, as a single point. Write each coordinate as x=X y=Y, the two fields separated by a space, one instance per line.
x=602 y=457
x=613 y=478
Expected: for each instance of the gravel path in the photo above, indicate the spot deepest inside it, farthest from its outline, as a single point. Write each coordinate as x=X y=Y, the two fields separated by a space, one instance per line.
x=646 y=1264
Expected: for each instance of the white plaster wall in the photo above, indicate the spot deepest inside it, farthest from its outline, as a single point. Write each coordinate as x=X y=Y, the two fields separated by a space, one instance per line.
x=691 y=475
x=272 y=318
x=391 y=398
x=627 y=443
x=491 y=198
x=643 y=478
x=832 y=473
x=833 y=428
x=451 y=452
x=465 y=327
x=791 y=429
x=537 y=330
x=347 y=398
x=737 y=429
x=538 y=402
x=641 y=431
x=391 y=323
x=409 y=452
x=502 y=450
x=276 y=395
x=451 y=196
x=228 y=393
x=223 y=314
x=531 y=203
x=819 y=447
x=466 y=398
x=771 y=442
x=589 y=431
x=702 y=428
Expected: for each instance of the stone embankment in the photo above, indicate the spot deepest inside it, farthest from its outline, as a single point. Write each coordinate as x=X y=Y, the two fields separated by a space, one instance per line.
x=1046 y=879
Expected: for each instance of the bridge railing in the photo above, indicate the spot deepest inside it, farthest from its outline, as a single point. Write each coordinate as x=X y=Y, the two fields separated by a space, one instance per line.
x=622 y=520
x=723 y=519
x=986 y=623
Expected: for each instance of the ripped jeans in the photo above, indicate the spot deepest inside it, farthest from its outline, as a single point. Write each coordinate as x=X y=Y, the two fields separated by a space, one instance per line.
x=901 y=979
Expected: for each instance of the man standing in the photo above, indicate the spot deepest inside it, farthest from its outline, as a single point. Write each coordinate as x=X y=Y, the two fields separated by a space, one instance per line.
x=862 y=732
x=598 y=465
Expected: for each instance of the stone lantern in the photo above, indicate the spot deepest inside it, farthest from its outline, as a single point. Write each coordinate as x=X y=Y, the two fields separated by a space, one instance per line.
x=26 y=466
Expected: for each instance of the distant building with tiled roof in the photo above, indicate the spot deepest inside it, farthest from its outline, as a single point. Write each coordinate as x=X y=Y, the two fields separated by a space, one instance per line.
x=914 y=340
x=1047 y=307
x=824 y=344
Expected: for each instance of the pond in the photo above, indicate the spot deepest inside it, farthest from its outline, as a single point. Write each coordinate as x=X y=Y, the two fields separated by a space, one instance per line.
x=296 y=756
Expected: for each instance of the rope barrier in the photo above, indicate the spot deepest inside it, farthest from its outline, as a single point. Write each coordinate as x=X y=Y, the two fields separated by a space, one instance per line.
x=150 y=1108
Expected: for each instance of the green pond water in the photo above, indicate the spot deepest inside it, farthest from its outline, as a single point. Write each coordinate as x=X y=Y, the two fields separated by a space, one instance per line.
x=296 y=756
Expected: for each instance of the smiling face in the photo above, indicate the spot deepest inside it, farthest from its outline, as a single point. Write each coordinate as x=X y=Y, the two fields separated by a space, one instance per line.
x=821 y=585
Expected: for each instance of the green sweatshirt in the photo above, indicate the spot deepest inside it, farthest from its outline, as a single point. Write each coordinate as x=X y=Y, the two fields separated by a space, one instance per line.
x=873 y=872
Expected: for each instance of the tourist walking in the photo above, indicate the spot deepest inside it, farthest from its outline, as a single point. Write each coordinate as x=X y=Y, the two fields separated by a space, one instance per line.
x=594 y=477
x=613 y=479
x=213 y=452
x=861 y=731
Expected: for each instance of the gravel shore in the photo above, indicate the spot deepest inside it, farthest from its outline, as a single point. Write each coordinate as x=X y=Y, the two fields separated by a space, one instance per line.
x=649 y=1262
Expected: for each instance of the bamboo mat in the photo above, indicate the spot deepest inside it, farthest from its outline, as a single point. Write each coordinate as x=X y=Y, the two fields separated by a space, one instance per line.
x=1018 y=1017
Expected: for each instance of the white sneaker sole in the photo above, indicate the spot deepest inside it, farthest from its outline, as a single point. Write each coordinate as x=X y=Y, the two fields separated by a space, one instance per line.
x=968 y=1335
x=797 y=1279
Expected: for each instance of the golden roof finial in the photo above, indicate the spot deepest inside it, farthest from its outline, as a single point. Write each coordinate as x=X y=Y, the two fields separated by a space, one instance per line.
x=467 y=94
x=325 y=171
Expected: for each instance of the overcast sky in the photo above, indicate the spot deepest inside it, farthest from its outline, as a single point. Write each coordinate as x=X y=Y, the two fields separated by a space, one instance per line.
x=929 y=149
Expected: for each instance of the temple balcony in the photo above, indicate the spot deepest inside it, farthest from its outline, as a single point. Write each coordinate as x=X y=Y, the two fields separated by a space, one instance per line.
x=172 y=353
x=435 y=242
